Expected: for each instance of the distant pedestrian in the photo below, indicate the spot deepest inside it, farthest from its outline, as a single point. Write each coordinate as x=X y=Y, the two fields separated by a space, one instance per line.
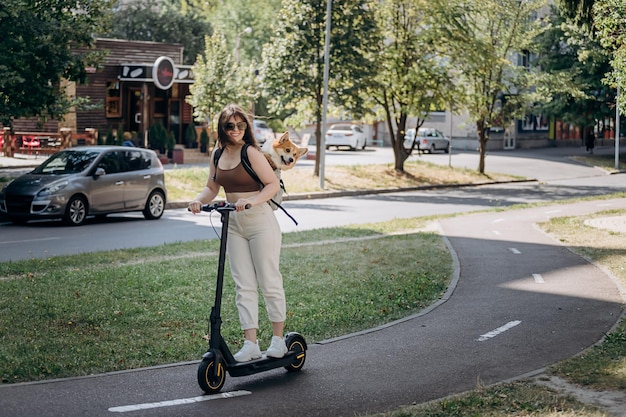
x=590 y=142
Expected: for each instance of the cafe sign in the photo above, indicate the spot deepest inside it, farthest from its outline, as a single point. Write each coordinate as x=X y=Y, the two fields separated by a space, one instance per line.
x=163 y=73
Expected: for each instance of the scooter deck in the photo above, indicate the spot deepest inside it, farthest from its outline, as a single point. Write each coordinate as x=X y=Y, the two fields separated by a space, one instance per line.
x=262 y=364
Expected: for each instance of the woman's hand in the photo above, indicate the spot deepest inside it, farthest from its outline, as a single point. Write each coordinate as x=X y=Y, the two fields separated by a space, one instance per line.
x=243 y=203
x=195 y=206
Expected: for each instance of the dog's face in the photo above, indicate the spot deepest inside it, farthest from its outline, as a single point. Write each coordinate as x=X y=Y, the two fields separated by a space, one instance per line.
x=284 y=152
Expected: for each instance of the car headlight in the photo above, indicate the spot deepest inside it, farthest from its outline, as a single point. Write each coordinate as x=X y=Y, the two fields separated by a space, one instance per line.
x=52 y=189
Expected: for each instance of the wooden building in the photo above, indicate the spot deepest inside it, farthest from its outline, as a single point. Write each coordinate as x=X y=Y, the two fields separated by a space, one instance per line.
x=138 y=84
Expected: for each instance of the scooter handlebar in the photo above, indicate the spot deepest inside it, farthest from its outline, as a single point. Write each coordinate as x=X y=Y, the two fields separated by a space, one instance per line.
x=220 y=206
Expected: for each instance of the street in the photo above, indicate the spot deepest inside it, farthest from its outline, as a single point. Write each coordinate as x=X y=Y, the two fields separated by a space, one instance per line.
x=558 y=178
x=519 y=301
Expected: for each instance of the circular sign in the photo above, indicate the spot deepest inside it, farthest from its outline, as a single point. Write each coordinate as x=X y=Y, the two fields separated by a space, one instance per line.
x=163 y=72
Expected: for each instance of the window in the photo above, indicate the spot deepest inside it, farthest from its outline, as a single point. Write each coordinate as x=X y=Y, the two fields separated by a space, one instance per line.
x=113 y=103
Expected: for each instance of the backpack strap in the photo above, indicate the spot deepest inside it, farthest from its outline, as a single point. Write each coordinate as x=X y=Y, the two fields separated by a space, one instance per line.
x=248 y=167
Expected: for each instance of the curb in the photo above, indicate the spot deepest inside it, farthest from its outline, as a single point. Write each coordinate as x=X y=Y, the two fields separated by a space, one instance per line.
x=350 y=193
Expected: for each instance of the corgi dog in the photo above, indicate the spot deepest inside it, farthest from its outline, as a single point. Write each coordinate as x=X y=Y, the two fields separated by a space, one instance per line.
x=282 y=153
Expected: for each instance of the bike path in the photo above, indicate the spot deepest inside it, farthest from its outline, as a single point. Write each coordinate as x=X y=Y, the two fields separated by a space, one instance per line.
x=520 y=301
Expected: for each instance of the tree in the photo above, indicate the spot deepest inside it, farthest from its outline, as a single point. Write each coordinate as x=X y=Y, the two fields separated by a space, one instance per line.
x=218 y=80
x=482 y=38
x=42 y=43
x=611 y=31
x=579 y=10
x=575 y=66
x=168 y=21
x=293 y=62
x=411 y=78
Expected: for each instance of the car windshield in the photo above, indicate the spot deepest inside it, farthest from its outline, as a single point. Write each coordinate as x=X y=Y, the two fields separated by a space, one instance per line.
x=66 y=163
x=341 y=127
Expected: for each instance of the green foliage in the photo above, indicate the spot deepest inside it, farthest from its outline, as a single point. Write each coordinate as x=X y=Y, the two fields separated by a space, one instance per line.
x=611 y=31
x=39 y=47
x=191 y=135
x=157 y=136
x=218 y=80
x=481 y=40
x=580 y=10
x=169 y=21
x=573 y=67
x=171 y=141
x=412 y=78
x=293 y=62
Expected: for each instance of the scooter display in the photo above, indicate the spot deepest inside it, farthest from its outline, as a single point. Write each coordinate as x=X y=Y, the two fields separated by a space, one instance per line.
x=218 y=359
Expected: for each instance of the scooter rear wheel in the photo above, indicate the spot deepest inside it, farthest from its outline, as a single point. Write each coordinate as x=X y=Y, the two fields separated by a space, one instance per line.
x=297 y=344
x=211 y=375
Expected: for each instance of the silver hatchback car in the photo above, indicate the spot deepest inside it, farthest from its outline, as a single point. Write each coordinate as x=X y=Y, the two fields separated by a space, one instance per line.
x=90 y=180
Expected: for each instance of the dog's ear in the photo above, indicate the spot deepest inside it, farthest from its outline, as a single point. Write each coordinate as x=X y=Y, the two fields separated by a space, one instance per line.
x=302 y=151
x=284 y=138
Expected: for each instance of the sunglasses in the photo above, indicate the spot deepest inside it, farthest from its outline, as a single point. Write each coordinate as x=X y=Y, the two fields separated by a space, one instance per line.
x=238 y=125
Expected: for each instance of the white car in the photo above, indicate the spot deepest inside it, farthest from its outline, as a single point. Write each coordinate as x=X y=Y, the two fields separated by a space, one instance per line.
x=347 y=134
x=262 y=132
x=427 y=140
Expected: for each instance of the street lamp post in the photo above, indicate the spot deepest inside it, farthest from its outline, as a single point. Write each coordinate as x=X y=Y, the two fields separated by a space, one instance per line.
x=246 y=31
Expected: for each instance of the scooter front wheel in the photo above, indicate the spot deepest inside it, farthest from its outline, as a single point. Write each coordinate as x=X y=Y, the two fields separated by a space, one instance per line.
x=211 y=375
x=296 y=343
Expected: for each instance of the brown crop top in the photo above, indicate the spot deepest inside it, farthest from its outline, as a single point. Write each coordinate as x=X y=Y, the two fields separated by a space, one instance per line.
x=236 y=180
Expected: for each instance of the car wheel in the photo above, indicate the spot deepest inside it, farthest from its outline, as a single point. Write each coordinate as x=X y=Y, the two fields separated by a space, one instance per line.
x=447 y=149
x=75 y=211
x=155 y=206
x=432 y=148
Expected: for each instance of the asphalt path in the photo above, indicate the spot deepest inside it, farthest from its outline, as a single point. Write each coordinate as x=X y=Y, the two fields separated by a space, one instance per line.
x=519 y=301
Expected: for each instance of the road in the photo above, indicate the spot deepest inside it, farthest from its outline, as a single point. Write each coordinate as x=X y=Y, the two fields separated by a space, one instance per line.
x=558 y=178
x=519 y=301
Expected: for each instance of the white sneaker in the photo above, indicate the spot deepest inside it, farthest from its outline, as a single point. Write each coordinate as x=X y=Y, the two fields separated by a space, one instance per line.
x=249 y=351
x=277 y=348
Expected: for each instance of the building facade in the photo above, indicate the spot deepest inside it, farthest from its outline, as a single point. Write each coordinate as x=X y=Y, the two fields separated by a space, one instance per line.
x=138 y=84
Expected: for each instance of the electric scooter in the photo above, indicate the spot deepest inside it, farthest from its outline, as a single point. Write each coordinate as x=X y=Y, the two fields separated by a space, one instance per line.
x=218 y=359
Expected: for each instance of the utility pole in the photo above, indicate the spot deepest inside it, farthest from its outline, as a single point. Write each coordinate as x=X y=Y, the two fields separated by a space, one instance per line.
x=322 y=155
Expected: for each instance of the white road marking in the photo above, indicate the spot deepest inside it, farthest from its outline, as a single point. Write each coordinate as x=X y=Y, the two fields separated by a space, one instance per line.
x=538 y=279
x=28 y=240
x=496 y=232
x=181 y=401
x=515 y=251
x=497 y=221
x=498 y=331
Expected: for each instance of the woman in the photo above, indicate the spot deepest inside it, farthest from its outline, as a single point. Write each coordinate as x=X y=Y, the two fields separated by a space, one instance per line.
x=254 y=236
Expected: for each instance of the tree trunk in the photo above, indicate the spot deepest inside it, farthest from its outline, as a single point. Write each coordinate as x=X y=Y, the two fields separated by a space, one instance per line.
x=397 y=141
x=483 y=137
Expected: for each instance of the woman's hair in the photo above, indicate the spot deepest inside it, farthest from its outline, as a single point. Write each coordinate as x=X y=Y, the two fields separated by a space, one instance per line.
x=229 y=111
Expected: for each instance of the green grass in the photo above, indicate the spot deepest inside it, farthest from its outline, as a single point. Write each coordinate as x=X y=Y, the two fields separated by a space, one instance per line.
x=107 y=311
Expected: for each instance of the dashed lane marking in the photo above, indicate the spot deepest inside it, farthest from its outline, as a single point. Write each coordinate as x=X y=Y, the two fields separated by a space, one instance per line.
x=499 y=330
x=515 y=251
x=181 y=401
x=538 y=279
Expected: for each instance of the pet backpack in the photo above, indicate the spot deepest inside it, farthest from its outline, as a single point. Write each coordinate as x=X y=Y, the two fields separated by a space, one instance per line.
x=275 y=201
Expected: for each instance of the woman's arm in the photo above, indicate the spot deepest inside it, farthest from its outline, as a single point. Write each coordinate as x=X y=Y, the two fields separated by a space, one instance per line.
x=209 y=192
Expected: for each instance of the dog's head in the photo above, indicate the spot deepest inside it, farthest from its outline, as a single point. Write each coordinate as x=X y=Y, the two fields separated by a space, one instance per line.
x=284 y=153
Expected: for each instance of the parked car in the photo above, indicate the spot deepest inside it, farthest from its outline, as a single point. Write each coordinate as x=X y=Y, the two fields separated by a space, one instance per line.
x=427 y=140
x=89 y=180
x=346 y=134
x=262 y=132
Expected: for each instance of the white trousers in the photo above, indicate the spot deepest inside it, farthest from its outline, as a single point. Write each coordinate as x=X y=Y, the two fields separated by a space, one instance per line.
x=254 y=243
